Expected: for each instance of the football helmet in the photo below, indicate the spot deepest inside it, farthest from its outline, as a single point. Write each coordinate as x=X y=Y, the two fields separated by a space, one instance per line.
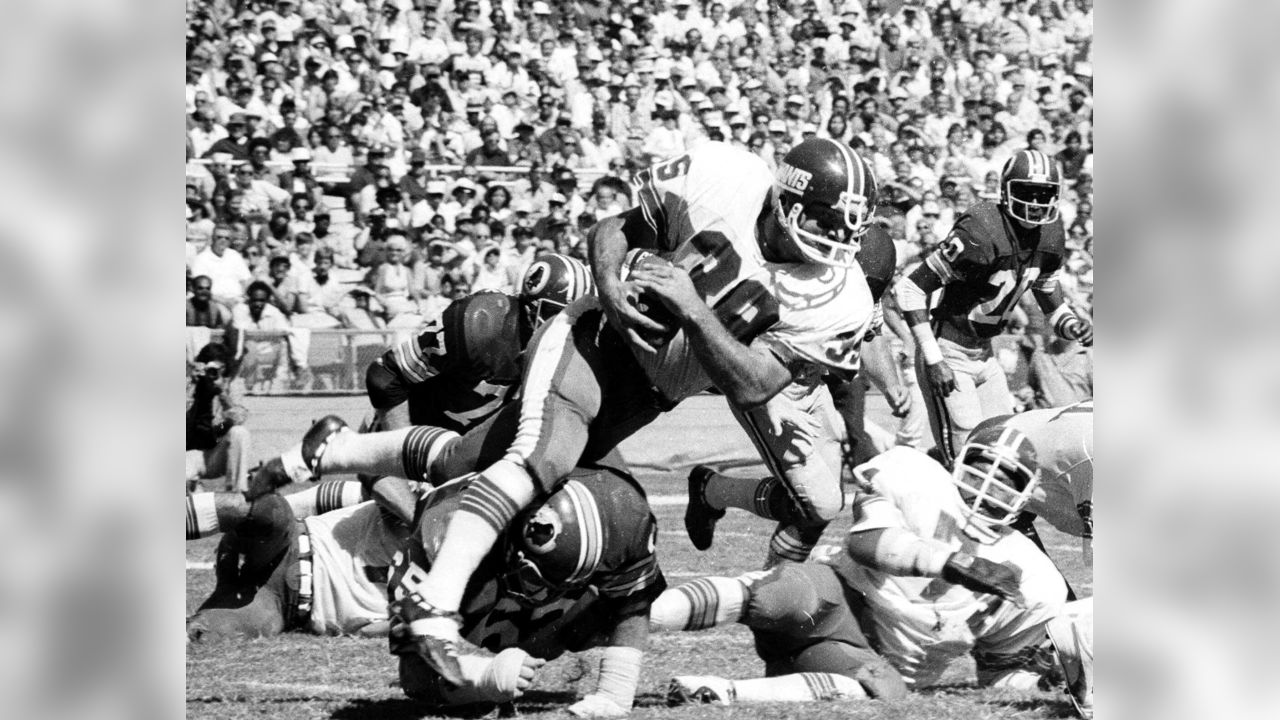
x=826 y=182
x=996 y=473
x=549 y=285
x=557 y=544
x=1030 y=187
x=878 y=258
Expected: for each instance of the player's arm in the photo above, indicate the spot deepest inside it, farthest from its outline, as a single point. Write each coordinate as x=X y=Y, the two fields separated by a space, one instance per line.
x=882 y=371
x=913 y=293
x=607 y=245
x=897 y=551
x=748 y=376
x=1064 y=321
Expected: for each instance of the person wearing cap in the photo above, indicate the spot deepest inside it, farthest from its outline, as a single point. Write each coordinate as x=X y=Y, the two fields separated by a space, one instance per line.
x=236 y=142
x=430 y=205
x=674 y=23
x=490 y=152
x=299 y=180
x=561 y=144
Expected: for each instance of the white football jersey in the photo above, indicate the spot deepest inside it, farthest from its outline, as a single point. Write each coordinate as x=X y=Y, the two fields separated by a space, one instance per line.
x=351 y=549
x=923 y=623
x=1063 y=439
x=703 y=206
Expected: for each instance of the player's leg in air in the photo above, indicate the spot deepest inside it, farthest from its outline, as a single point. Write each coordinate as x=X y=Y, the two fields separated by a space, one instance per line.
x=253 y=597
x=211 y=513
x=795 y=433
x=805 y=629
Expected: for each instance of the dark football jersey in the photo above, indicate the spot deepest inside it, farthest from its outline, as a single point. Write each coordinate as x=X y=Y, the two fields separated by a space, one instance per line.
x=987 y=262
x=456 y=371
x=627 y=578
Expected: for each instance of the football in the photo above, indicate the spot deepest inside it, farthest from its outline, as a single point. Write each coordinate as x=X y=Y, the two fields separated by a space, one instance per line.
x=646 y=302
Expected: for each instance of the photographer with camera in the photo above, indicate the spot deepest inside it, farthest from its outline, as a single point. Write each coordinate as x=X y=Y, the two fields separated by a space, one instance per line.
x=218 y=443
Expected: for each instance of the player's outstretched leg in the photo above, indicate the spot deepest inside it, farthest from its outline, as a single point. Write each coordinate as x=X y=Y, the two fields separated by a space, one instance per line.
x=796 y=687
x=699 y=516
x=330 y=447
x=211 y=513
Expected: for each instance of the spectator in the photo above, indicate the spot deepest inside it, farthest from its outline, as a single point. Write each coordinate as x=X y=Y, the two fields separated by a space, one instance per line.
x=202 y=309
x=494 y=272
x=218 y=443
x=225 y=267
x=268 y=359
x=392 y=281
x=236 y=141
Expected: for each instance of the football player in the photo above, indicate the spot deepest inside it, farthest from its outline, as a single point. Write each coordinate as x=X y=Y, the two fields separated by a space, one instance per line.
x=758 y=284
x=459 y=369
x=930 y=569
x=577 y=571
x=453 y=374
x=813 y=463
x=994 y=252
x=1063 y=439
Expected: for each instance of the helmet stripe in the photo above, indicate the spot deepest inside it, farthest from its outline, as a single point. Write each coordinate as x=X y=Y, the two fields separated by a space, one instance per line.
x=590 y=529
x=849 y=163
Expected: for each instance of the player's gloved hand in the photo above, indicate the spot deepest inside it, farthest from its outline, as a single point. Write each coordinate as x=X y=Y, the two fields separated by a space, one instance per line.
x=1080 y=330
x=597 y=706
x=941 y=378
x=899 y=402
x=982 y=575
x=625 y=318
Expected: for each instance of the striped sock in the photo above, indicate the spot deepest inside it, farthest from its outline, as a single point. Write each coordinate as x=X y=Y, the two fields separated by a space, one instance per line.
x=754 y=496
x=790 y=543
x=699 y=604
x=485 y=510
x=202 y=515
x=324 y=497
x=422 y=446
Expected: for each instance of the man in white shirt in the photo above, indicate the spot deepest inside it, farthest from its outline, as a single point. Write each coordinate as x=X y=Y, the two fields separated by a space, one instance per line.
x=224 y=266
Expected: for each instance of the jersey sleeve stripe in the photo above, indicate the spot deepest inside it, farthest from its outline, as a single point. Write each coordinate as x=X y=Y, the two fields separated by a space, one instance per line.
x=940 y=267
x=413 y=363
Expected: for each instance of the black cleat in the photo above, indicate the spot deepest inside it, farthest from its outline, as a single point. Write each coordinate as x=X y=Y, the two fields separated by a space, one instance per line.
x=699 y=517
x=317 y=439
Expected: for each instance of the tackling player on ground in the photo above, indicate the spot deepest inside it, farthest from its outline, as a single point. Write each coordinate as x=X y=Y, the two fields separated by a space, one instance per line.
x=929 y=567
x=994 y=252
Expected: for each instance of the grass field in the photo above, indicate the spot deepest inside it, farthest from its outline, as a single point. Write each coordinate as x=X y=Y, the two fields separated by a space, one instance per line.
x=301 y=676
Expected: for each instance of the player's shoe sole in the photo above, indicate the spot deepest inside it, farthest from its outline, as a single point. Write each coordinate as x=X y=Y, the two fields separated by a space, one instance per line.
x=699 y=517
x=699 y=690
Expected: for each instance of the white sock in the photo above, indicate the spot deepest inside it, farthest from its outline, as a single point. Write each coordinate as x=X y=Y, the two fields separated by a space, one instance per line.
x=202 y=515
x=799 y=687
x=699 y=604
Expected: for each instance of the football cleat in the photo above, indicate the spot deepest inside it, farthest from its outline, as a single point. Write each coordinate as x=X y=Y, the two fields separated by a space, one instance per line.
x=302 y=462
x=699 y=517
x=700 y=690
x=433 y=635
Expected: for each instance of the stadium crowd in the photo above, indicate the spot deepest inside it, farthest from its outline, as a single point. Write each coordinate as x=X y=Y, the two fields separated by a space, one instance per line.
x=361 y=164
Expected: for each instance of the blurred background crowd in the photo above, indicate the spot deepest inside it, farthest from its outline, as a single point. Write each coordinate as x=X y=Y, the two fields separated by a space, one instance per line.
x=359 y=163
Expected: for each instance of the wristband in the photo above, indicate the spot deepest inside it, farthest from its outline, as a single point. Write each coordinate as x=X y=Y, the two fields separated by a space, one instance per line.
x=929 y=349
x=1061 y=318
x=619 y=675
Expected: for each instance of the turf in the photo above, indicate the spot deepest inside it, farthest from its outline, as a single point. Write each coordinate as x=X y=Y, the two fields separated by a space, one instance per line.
x=300 y=676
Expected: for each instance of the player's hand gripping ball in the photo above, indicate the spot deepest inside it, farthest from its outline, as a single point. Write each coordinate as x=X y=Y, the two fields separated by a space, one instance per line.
x=648 y=303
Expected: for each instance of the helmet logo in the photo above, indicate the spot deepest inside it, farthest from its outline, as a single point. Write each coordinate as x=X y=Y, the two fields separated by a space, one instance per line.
x=793 y=178
x=541 y=531
x=537 y=278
